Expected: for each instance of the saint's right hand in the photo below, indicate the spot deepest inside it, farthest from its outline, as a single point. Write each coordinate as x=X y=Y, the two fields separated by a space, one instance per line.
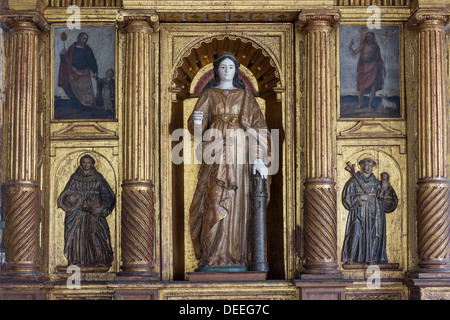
x=63 y=51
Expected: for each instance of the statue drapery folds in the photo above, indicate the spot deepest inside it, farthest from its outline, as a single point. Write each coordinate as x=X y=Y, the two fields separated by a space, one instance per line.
x=87 y=200
x=220 y=209
x=368 y=200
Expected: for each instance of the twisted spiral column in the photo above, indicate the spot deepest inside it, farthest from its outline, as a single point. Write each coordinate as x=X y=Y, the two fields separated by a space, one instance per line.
x=137 y=228
x=433 y=223
x=22 y=229
x=22 y=207
x=320 y=227
x=320 y=207
x=433 y=197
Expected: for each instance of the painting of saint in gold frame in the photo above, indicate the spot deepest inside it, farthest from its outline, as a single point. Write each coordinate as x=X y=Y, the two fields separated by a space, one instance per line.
x=84 y=73
x=369 y=63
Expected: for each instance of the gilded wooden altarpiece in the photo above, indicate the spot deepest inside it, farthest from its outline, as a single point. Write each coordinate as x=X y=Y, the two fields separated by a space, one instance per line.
x=383 y=138
x=162 y=56
x=70 y=139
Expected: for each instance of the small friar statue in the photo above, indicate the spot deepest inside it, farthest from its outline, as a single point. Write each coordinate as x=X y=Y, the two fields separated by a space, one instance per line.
x=368 y=200
x=87 y=200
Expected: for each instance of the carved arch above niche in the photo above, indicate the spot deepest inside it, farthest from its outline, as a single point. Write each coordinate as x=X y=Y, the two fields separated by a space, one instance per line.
x=264 y=67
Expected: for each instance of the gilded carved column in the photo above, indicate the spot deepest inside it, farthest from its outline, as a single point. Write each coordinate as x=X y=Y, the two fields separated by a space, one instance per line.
x=433 y=197
x=137 y=235
x=320 y=247
x=22 y=209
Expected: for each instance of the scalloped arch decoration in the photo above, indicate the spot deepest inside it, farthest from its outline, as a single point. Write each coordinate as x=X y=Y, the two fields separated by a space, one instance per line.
x=250 y=54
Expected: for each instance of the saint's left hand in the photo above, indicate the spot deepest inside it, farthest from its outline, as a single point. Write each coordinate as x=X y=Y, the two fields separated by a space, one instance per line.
x=259 y=166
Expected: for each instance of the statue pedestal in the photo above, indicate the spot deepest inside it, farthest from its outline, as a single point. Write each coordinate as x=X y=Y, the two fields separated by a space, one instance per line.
x=19 y=289
x=84 y=273
x=322 y=289
x=84 y=269
x=382 y=266
x=227 y=276
x=428 y=285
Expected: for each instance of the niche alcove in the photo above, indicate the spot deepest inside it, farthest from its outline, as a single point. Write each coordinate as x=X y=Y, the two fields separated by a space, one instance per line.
x=192 y=73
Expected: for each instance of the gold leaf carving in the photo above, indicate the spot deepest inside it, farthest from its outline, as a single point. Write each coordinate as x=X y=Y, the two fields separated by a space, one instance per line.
x=273 y=44
x=387 y=3
x=435 y=295
x=84 y=131
x=180 y=43
x=365 y=129
x=374 y=296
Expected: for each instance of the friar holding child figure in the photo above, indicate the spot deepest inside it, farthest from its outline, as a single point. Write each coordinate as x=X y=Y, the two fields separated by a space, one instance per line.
x=368 y=200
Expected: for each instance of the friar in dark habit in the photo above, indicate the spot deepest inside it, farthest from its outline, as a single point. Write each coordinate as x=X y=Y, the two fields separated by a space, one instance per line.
x=365 y=234
x=87 y=200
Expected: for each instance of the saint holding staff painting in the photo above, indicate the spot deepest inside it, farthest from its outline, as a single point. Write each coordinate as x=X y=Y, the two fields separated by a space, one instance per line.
x=369 y=72
x=84 y=77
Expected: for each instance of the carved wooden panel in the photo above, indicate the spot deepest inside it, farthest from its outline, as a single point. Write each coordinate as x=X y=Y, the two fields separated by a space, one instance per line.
x=226 y=291
x=228 y=17
x=374 y=296
x=82 y=3
x=372 y=2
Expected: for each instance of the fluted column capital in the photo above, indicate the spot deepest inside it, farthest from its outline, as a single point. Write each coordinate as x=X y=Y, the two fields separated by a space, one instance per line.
x=429 y=19
x=137 y=21
x=24 y=21
x=311 y=19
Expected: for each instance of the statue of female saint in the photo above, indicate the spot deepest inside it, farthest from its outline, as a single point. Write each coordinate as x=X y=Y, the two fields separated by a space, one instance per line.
x=87 y=200
x=368 y=200
x=220 y=209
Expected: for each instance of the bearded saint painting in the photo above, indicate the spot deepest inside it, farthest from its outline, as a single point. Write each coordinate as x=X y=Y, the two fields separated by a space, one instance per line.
x=84 y=63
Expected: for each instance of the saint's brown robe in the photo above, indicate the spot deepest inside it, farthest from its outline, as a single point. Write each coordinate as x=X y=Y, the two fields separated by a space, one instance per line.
x=86 y=232
x=220 y=209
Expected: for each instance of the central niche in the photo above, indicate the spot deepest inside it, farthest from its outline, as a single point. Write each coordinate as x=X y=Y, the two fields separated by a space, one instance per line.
x=193 y=73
